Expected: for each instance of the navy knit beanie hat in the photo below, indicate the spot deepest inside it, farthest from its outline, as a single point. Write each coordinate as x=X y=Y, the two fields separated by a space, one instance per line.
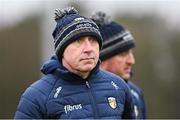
x=116 y=38
x=71 y=26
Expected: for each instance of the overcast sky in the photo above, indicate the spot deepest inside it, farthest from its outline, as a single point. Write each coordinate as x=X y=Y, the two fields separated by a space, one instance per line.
x=13 y=11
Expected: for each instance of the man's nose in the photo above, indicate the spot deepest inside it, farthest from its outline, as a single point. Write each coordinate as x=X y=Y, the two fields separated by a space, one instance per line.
x=87 y=44
x=131 y=59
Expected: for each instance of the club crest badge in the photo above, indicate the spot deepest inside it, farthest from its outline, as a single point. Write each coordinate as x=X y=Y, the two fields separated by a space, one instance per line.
x=112 y=102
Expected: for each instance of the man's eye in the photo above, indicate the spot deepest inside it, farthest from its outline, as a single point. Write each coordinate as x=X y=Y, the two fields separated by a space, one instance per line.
x=78 y=40
x=93 y=39
x=123 y=54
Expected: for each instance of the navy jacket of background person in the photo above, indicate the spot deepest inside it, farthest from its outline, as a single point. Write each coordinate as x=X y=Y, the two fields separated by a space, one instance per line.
x=138 y=100
x=61 y=94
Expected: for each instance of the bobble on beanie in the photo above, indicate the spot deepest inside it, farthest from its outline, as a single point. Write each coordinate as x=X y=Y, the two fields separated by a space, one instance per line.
x=70 y=27
x=116 y=38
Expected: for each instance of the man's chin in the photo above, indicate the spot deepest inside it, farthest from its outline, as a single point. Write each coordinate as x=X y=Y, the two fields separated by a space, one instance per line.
x=126 y=76
x=87 y=68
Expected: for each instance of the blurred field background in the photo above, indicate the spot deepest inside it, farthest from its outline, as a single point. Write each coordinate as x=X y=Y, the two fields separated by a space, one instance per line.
x=26 y=43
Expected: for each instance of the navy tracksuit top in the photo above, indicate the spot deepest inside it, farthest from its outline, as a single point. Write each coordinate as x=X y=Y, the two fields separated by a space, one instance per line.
x=61 y=94
x=138 y=100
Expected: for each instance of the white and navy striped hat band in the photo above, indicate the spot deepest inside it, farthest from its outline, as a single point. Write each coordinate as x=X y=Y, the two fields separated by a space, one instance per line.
x=75 y=28
x=116 y=38
x=117 y=44
x=70 y=27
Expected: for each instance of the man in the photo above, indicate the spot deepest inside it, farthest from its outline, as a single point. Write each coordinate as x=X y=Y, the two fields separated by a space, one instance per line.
x=117 y=57
x=74 y=86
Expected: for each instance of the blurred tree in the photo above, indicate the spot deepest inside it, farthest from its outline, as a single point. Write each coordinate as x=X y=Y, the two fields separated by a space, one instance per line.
x=19 y=62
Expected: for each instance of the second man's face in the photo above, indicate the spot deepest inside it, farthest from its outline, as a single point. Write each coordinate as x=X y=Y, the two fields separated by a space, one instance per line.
x=82 y=55
x=121 y=64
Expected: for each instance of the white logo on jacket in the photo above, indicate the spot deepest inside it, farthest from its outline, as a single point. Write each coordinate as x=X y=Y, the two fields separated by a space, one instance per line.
x=57 y=92
x=69 y=108
x=114 y=85
x=134 y=93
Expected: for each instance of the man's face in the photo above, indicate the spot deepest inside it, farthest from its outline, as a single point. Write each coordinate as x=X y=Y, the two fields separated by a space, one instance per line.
x=82 y=55
x=121 y=64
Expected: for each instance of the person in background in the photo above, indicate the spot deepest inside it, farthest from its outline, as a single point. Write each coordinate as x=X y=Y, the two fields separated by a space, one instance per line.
x=73 y=85
x=117 y=56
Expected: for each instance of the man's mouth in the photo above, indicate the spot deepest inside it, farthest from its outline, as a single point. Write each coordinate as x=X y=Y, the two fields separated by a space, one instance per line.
x=86 y=59
x=128 y=70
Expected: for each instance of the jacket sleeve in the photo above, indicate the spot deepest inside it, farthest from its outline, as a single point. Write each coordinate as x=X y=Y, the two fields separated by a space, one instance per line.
x=128 y=107
x=30 y=105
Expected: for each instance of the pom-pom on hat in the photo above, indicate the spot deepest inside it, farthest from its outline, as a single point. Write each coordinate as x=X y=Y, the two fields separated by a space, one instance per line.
x=71 y=26
x=116 y=38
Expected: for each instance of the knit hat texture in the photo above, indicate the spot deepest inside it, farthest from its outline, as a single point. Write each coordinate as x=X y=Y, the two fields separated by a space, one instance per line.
x=70 y=27
x=116 y=38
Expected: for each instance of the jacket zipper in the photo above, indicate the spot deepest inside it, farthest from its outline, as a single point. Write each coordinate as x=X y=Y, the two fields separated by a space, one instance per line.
x=94 y=106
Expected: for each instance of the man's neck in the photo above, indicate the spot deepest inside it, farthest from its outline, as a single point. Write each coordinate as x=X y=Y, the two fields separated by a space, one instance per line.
x=84 y=75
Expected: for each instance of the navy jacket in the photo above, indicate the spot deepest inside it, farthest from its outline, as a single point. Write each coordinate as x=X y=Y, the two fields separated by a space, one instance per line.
x=138 y=101
x=61 y=94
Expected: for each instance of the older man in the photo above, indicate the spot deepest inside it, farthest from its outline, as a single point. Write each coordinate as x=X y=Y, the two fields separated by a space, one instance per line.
x=74 y=86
